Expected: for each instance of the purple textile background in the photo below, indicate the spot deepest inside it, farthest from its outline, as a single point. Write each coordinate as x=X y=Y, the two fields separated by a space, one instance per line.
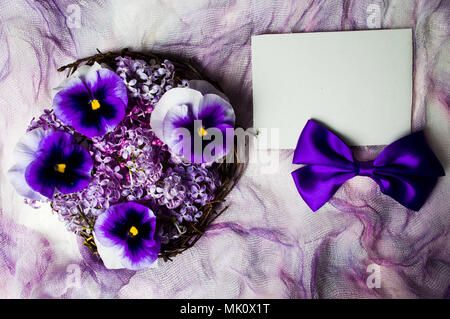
x=269 y=243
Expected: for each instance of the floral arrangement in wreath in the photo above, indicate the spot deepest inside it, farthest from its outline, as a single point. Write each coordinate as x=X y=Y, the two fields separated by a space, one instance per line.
x=110 y=160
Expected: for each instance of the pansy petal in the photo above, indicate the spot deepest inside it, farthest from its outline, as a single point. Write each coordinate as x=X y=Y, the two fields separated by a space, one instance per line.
x=24 y=153
x=179 y=148
x=37 y=177
x=109 y=248
x=79 y=163
x=80 y=72
x=214 y=110
x=117 y=247
x=108 y=88
x=172 y=99
x=92 y=125
x=71 y=103
x=146 y=257
x=111 y=256
x=104 y=83
x=16 y=176
x=113 y=112
x=176 y=118
x=105 y=223
x=59 y=148
x=78 y=160
x=55 y=140
x=26 y=148
x=74 y=106
x=73 y=184
x=220 y=147
x=179 y=135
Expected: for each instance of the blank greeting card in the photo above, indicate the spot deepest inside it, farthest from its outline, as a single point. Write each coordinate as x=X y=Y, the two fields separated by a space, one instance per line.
x=357 y=82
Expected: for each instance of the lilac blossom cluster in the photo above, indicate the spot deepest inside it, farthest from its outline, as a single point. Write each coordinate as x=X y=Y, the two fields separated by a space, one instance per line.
x=132 y=164
x=147 y=81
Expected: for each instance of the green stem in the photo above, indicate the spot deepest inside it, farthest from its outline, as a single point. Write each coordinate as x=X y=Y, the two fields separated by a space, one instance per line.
x=91 y=227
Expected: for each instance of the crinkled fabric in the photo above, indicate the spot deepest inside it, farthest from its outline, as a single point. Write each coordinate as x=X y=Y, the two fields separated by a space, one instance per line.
x=268 y=244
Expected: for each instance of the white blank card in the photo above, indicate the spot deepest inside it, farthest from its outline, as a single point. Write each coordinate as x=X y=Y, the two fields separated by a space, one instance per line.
x=358 y=83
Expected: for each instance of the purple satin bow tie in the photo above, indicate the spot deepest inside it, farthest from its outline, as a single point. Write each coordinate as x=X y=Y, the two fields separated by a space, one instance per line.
x=406 y=170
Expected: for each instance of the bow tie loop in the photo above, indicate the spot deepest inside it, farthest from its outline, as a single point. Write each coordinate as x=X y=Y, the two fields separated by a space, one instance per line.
x=406 y=170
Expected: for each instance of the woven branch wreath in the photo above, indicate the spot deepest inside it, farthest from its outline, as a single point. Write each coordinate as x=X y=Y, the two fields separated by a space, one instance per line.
x=112 y=161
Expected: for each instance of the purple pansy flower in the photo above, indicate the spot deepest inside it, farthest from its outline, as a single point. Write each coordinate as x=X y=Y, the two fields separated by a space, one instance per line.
x=92 y=101
x=25 y=153
x=46 y=161
x=126 y=238
x=195 y=122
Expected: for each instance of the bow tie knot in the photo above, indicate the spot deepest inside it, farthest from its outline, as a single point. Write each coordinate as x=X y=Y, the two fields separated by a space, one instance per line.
x=406 y=170
x=365 y=168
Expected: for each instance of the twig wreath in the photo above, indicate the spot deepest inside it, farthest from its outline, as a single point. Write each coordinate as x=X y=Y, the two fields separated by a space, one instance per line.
x=110 y=160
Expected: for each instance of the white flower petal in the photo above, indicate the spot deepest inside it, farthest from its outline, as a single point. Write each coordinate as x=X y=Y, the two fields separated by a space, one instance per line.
x=111 y=256
x=173 y=98
x=16 y=176
x=27 y=146
x=81 y=71
x=143 y=264
x=24 y=154
x=214 y=99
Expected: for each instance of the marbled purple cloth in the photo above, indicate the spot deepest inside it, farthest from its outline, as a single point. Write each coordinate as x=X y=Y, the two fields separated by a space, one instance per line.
x=274 y=248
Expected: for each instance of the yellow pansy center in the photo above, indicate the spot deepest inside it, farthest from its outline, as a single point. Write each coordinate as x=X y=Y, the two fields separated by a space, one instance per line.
x=133 y=231
x=60 y=168
x=95 y=104
x=201 y=131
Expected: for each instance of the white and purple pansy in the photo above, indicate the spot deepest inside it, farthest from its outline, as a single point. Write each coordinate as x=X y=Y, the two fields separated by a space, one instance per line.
x=93 y=100
x=203 y=112
x=48 y=161
x=126 y=238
